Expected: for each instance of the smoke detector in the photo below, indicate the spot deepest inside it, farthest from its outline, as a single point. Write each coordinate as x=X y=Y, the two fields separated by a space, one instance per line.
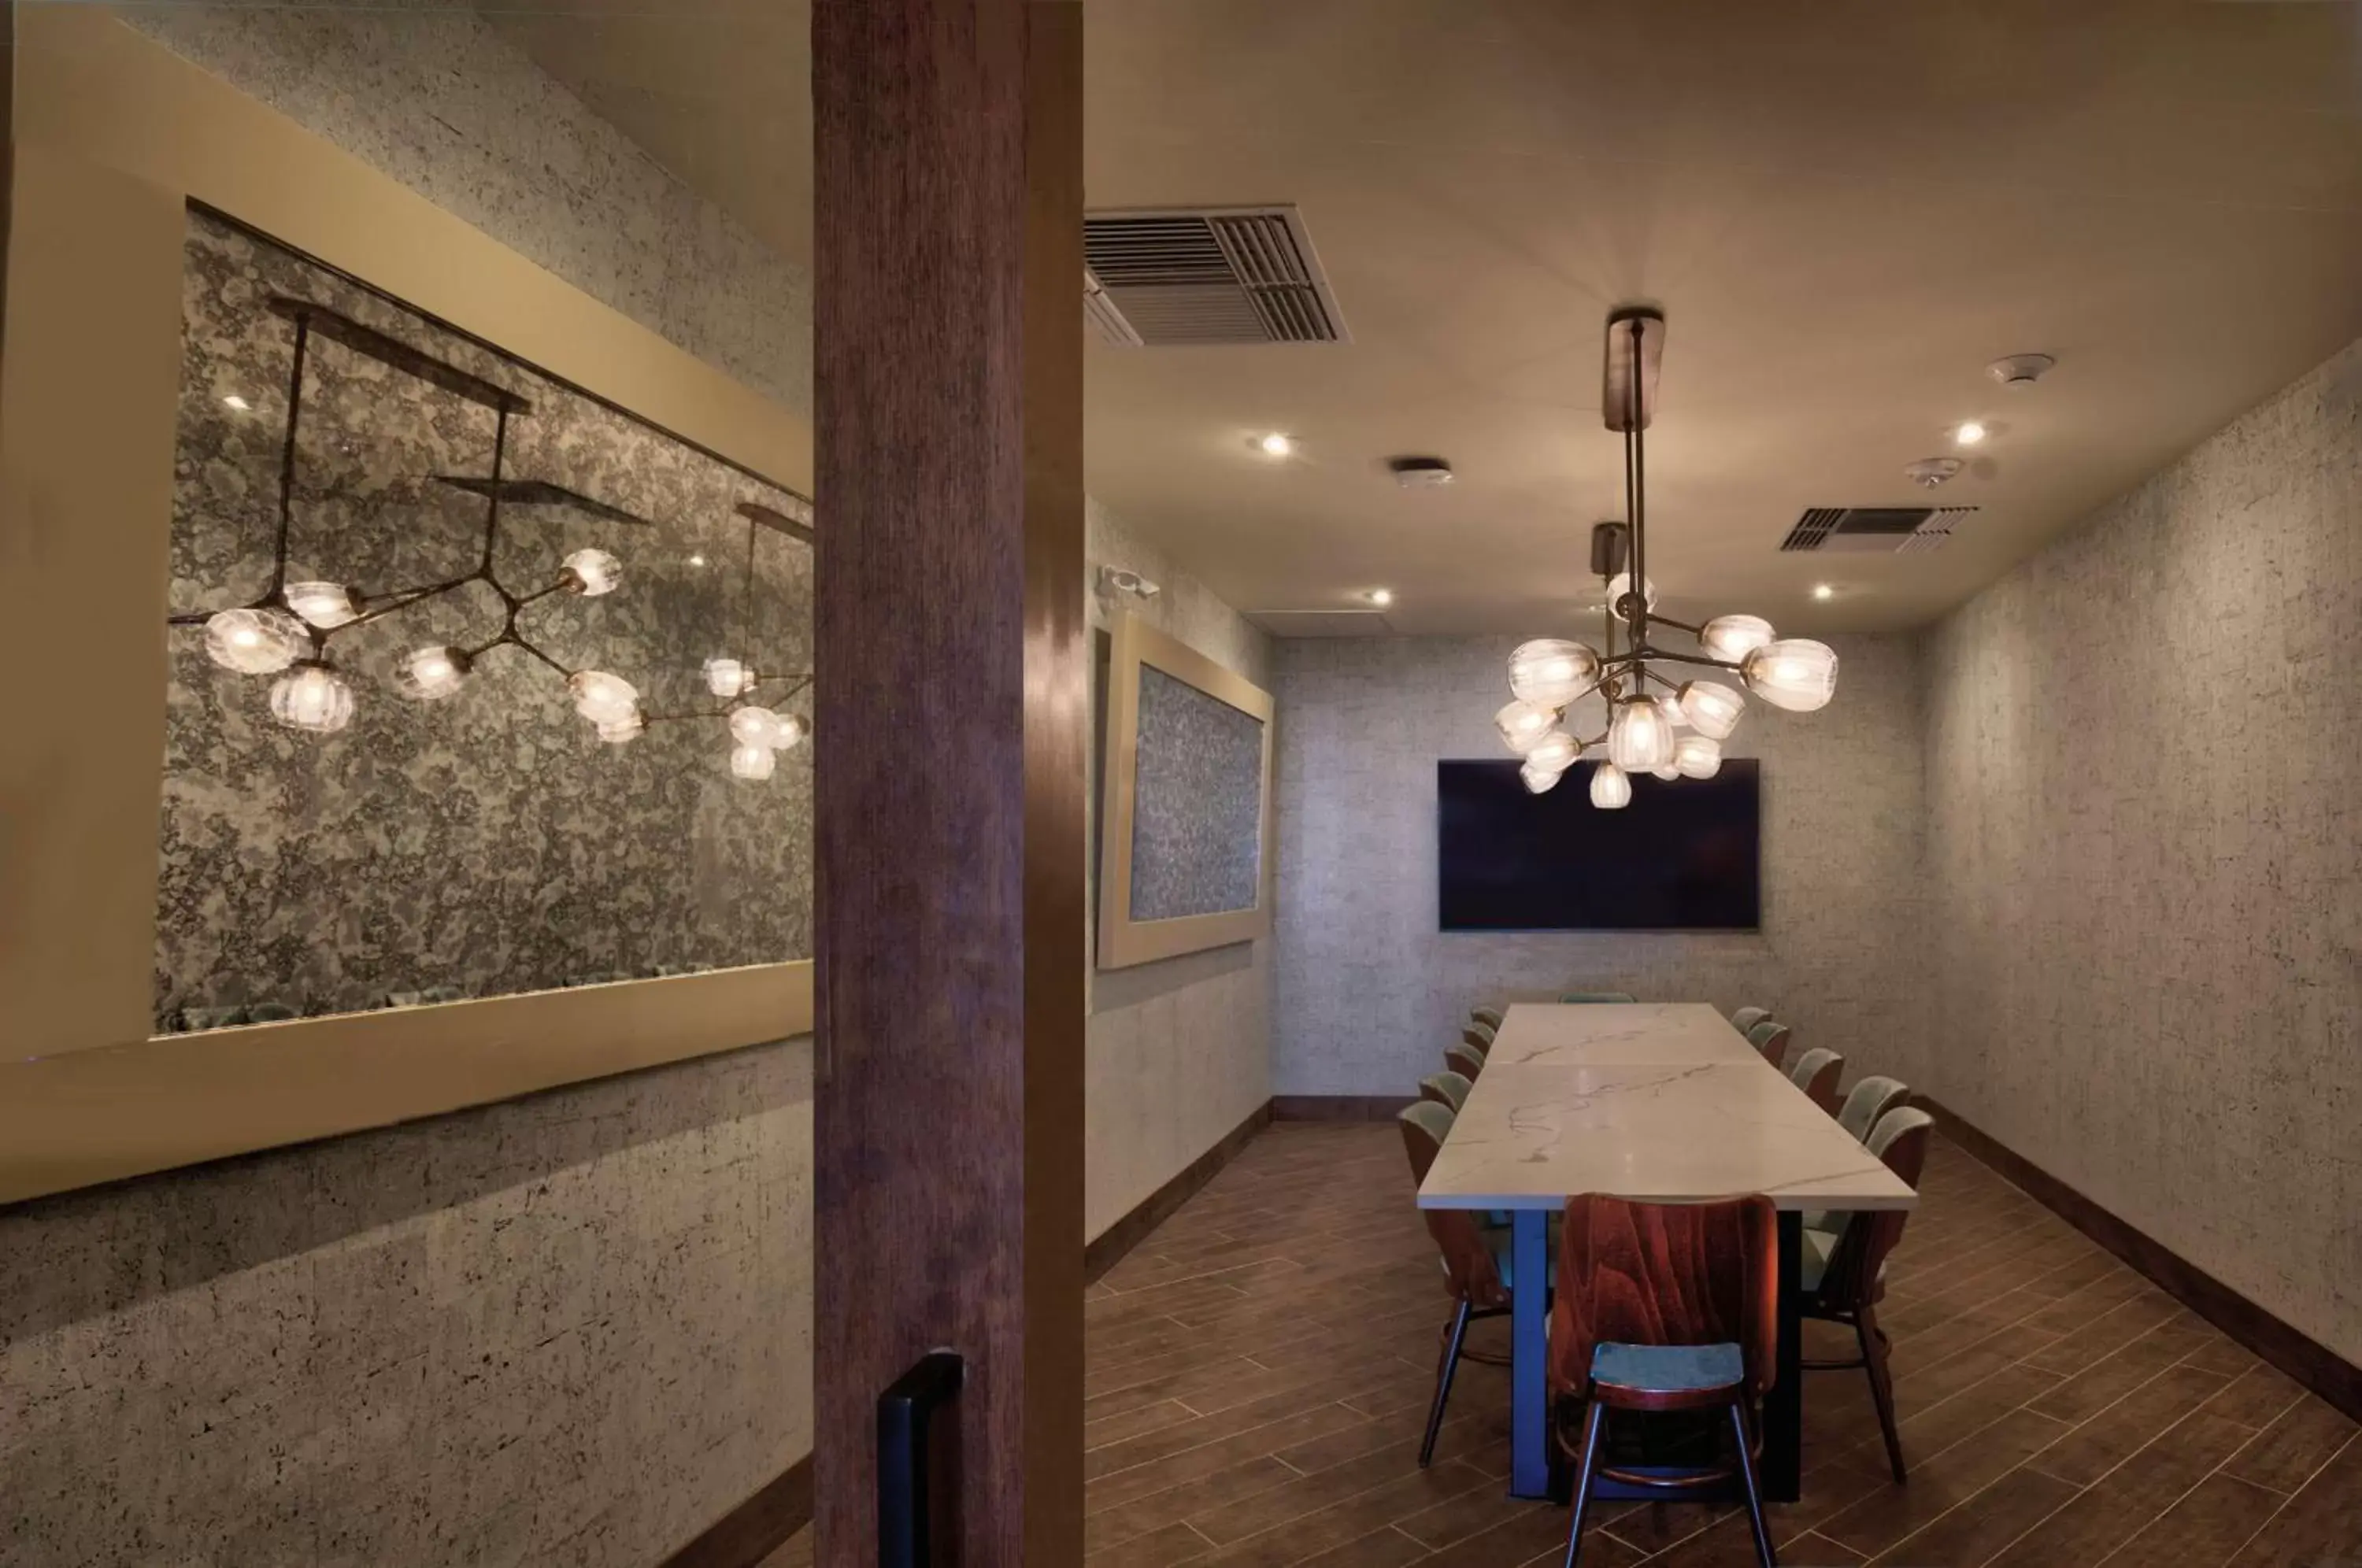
x=2018 y=372
x=1929 y=472
x=1420 y=473
x=1118 y=579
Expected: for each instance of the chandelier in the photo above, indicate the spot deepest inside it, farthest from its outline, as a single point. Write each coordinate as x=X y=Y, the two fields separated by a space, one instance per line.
x=1548 y=675
x=288 y=631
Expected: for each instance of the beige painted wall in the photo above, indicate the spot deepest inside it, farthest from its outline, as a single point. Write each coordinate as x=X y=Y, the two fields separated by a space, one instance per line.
x=1178 y=1051
x=2145 y=850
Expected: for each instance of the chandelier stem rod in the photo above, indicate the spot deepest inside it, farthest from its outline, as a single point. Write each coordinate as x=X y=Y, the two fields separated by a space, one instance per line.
x=287 y=463
x=1635 y=502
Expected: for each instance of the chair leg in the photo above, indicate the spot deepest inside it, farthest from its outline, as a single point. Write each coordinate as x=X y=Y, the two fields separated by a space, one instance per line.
x=1882 y=1388
x=1443 y=1370
x=1754 y=1490
x=1592 y=1423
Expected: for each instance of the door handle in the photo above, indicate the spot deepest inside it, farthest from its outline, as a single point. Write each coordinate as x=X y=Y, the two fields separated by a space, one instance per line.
x=904 y=1413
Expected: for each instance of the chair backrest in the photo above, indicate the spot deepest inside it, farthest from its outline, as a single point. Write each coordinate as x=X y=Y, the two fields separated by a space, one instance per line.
x=1468 y=1271
x=1596 y=996
x=1446 y=1089
x=1817 y=1072
x=1770 y=1037
x=1465 y=1060
x=1490 y=1017
x=1747 y=1018
x=1666 y=1274
x=1869 y=1103
x=1851 y=1281
x=1479 y=1035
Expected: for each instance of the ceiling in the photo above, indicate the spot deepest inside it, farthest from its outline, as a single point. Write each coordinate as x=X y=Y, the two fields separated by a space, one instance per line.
x=1845 y=209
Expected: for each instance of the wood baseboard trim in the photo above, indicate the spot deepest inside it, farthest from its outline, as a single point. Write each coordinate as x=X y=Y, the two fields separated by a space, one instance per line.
x=2309 y=1362
x=755 y=1527
x=1128 y=1232
x=1337 y=1107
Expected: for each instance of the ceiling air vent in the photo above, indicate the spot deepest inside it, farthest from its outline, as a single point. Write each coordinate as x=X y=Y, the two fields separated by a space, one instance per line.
x=1215 y=275
x=1885 y=529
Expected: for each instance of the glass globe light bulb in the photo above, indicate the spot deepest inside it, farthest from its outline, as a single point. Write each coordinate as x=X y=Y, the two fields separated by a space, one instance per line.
x=1621 y=584
x=1556 y=751
x=255 y=642
x=1522 y=724
x=1540 y=780
x=753 y=761
x=790 y=731
x=1794 y=673
x=1671 y=704
x=431 y=672
x=627 y=728
x=312 y=697
x=591 y=573
x=1697 y=756
x=1551 y=671
x=602 y=698
x=1712 y=708
x=725 y=677
x=755 y=726
x=1639 y=739
x=1731 y=638
x=1667 y=772
x=1611 y=788
x=323 y=604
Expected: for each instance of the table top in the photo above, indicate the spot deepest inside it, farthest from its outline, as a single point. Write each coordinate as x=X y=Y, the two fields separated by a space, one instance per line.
x=1645 y=1102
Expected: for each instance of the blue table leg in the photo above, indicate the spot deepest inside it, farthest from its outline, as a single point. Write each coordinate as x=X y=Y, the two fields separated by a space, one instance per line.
x=1529 y=1350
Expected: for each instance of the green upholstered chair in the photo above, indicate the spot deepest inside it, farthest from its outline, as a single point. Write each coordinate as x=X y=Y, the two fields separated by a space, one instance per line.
x=1843 y=1272
x=1478 y=1273
x=1463 y=1059
x=1747 y=1018
x=1490 y=1017
x=1769 y=1038
x=1663 y=1307
x=1479 y=1035
x=1448 y=1089
x=1596 y=997
x=1816 y=1072
x=1868 y=1102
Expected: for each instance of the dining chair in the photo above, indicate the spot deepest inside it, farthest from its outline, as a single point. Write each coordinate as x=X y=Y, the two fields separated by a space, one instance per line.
x=1770 y=1037
x=1463 y=1059
x=1844 y=1274
x=1747 y=1018
x=1816 y=1072
x=1448 y=1089
x=1596 y=997
x=1663 y=1307
x=1477 y=1272
x=1867 y=1104
x=1490 y=1017
x=1480 y=1036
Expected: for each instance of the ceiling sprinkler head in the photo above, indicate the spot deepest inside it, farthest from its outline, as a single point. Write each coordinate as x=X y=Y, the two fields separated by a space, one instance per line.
x=1118 y=579
x=2018 y=372
x=1929 y=472
x=1420 y=473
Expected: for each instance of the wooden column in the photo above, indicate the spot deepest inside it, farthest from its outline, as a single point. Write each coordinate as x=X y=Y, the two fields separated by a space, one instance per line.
x=949 y=745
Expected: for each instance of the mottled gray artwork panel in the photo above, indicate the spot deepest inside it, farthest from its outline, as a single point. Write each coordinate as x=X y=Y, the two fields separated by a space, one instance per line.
x=1196 y=815
x=486 y=843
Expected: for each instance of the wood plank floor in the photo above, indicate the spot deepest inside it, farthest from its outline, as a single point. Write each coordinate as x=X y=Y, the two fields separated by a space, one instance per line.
x=1260 y=1366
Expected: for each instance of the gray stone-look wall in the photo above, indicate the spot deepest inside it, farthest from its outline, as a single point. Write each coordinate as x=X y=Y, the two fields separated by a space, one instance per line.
x=1178 y=1051
x=572 y=1330
x=2144 y=766
x=1370 y=991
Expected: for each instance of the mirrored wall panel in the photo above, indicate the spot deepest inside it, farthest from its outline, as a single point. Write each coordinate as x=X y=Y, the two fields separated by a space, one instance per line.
x=479 y=685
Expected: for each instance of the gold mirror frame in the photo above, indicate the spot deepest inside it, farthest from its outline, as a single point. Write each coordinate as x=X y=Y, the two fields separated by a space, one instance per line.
x=110 y=137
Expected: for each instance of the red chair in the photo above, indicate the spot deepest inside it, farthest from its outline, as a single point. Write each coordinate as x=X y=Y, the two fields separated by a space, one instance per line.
x=1476 y=1265
x=1465 y=1060
x=1816 y=1072
x=1771 y=1039
x=1663 y=1307
x=1844 y=1272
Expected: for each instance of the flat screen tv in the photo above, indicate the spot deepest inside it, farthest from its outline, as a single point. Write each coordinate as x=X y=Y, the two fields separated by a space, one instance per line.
x=1682 y=856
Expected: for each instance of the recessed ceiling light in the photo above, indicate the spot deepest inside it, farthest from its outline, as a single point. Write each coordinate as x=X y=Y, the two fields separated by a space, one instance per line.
x=1969 y=433
x=1380 y=597
x=697 y=560
x=1822 y=590
x=236 y=402
x=1276 y=445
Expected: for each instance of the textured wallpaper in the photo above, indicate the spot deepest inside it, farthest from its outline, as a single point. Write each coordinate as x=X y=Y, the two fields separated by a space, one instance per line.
x=1370 y=992
x=2145 y=846
x=1197 y=825
x=486 y=843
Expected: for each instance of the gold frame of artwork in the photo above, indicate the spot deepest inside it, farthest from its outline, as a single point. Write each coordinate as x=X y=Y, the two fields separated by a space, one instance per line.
x=1124 y=941
x=110 y=137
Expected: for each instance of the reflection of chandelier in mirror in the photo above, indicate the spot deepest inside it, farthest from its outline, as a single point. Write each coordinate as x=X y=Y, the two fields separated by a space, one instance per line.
x=757 y=733
x=1546 y=675
x=287 y=631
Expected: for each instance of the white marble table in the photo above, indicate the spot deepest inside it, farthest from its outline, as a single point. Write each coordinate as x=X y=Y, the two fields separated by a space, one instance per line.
x=1663 y=1102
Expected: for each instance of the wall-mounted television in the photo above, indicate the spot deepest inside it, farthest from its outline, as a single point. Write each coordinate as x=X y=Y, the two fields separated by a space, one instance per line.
x=1685 y=855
